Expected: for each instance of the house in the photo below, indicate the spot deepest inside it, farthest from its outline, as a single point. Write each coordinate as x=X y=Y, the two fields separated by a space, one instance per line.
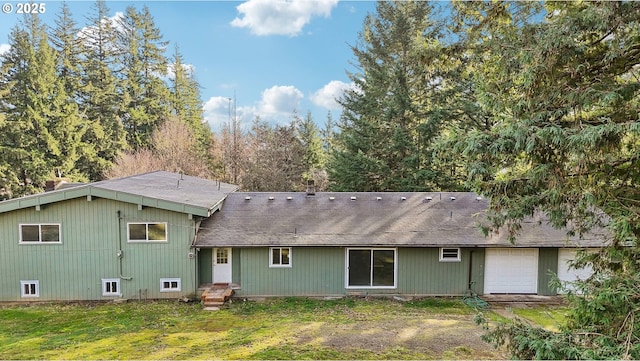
x=335 y=244
x=164 y=235
x=124 y=238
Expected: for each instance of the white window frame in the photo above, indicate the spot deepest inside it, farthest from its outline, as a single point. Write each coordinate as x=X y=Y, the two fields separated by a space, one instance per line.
x=395 y=268
x=458 y=257
x=280 y=265
x=170 y=289
x=40 y=241
x=24 y=294
x=106 y=293
x=147 y=240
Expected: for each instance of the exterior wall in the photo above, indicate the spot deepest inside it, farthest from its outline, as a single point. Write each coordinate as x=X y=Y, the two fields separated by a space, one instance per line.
x=547 y=267
x=90 y=235
x=205 y=266
x=320 y=271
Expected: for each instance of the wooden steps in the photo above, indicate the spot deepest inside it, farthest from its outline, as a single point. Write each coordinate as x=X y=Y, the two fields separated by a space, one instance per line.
x=216 y=295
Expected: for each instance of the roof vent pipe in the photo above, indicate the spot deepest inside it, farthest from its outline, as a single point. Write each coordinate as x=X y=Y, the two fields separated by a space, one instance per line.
x=353 y=198
x=453 y=199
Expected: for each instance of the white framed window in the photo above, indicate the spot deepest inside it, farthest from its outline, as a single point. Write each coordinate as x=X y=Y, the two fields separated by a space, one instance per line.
x=111 y=287
x=371 y=267
x=280 y=257
x=30 y=288
x=147 y=232
x=449 y=254
x=40 y=233
x=170 y=285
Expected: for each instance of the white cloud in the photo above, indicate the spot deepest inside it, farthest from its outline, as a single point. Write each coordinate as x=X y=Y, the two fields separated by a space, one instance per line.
x=280 y=17
x=276 y=106
x=279 y=100
x=114 y=21
x=189 y=69
x=327 y=95
x=4 y=48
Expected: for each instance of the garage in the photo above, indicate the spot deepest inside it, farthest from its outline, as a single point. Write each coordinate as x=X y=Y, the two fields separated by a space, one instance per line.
x=566 y=274
x=511 y=270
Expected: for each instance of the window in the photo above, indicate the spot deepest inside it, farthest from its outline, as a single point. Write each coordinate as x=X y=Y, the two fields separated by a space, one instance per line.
x=111 y=287
x=371 y=268
x=449 y=254
x=170 y=284
x=147 y=232
x=40 y=233
x=222 y=255
x=30 y=288
x=280 y=257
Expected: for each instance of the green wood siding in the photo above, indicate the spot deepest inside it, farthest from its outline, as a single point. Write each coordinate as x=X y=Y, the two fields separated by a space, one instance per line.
x=320 y=271
x=547 y=267
x=205 y=264
x=90 y=235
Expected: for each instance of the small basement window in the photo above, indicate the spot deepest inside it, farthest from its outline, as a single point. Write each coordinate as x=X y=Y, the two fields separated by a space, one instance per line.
x=280 y=257
x=170 y=285
x=111 y=287
x=147 y=232
x=449 y=254
x=40 y=233
x=30 y=288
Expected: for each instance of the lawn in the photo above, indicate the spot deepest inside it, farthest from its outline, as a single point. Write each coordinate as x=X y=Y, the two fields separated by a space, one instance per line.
x=287 y=328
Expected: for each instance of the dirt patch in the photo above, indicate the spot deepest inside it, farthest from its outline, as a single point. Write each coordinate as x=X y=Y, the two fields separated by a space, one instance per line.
x=450 y=336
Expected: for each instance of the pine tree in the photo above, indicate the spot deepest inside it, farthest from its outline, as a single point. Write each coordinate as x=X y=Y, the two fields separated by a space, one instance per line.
x=100 y=100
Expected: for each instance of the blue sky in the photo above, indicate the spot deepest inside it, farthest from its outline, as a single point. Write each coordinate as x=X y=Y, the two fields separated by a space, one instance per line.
x=276 y=56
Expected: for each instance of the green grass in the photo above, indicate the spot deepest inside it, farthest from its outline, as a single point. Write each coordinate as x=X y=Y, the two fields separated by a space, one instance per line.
x=286 y=328
x=546 y=317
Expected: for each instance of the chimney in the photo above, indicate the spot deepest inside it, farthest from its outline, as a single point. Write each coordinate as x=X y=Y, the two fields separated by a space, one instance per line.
x=49 y=186
x=311 y=188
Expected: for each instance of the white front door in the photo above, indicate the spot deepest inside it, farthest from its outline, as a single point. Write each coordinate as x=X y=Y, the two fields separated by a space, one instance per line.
x=222 y=265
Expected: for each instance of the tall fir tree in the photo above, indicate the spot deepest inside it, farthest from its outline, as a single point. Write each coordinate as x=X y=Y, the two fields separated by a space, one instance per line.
x=68 y=47
x=185 y=101
x=146 y=96
x=38 y=132
x=100 y=100
x=381 y=144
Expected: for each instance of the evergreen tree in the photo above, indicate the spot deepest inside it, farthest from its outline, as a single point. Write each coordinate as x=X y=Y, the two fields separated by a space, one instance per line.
x=38 y=130
x=100 y=100
x=146 y=96
x=185 y=101
x=383 y=143
x=68 y=56
x=313 y=158
x=562 y=85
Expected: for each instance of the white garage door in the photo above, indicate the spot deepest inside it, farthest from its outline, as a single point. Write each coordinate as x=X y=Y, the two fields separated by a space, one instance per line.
x=570 y=275
x=511 y=270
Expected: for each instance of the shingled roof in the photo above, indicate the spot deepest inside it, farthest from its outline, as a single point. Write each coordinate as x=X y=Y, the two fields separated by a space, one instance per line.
x=365 y=219
x=159 y=189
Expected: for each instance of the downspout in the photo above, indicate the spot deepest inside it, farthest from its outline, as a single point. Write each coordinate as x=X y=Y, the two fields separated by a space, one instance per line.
x=469 y=279
x=120 y=254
